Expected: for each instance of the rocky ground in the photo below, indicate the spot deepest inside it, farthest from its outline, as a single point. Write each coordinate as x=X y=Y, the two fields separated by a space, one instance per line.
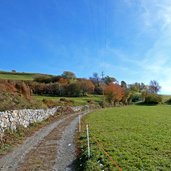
x=51 y=148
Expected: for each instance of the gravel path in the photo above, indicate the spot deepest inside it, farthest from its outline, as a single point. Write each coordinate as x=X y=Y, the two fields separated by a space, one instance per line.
x=51 y=148
x=66 y=151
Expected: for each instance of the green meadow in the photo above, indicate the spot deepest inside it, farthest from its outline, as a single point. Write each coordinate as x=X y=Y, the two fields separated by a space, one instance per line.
x=77 y=100
x=17 y=75
x=136 y=137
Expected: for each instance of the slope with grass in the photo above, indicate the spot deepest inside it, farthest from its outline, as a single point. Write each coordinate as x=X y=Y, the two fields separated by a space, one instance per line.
x=17 y=75
x=136 y=137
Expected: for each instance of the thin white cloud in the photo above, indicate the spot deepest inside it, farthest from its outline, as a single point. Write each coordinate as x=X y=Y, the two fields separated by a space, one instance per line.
x=157 y=61
x=155 y=19
x=156 y=13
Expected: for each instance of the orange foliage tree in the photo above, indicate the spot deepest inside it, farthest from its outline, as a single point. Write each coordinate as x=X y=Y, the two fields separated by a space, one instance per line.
x=113 y=93
x=86 y=86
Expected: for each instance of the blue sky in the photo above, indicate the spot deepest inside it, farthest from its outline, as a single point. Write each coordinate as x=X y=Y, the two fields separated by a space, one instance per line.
x=127 y=39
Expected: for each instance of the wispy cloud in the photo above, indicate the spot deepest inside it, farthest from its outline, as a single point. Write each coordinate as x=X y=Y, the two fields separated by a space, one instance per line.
x=156 y=13
x=157 y=61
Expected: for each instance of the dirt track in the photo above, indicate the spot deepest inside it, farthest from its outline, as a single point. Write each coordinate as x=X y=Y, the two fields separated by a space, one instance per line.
x=51 y=148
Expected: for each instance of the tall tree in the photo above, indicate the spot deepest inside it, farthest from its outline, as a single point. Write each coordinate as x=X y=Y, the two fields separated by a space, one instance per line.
x=95 y=79
x=123 y=85
x=108 y=80
x=137 y=87
x=73 y=90
x=154 y=87
x=68 y=75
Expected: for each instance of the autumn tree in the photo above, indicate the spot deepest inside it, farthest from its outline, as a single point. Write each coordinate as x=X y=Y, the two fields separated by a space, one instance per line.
x=39 y=88
x=113 y=93
x=86 y=86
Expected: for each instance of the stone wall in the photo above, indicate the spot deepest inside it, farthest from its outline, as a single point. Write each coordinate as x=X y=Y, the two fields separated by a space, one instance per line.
x=12 y=119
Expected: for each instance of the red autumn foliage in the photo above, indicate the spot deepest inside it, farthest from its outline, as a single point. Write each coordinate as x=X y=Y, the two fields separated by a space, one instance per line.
x=18 y=87
x=6 y=85
x=114 y=92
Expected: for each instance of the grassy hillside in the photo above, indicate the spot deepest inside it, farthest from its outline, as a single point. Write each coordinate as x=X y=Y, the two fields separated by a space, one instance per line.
x=16 y=96
x=17 y=75
x=136 y=137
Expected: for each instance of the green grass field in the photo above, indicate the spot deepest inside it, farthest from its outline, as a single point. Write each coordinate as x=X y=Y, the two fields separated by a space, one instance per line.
x=136 y=137
x=77 y=100
x=17 y=76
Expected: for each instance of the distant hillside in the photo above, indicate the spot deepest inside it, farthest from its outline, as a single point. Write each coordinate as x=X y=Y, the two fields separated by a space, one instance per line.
x=18 y=75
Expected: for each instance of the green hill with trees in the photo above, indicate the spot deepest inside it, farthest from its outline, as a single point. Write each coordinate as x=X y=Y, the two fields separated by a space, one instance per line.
x=67 y=89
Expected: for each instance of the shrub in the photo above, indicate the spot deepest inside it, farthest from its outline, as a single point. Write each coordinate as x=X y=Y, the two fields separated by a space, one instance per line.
x=49 y=103
x=136 y=97
x=153 y=99
x=42 y=78
x=67 y=102
x=73 y=90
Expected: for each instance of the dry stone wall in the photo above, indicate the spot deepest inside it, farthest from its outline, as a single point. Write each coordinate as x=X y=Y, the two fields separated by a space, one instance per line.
x=12 y=119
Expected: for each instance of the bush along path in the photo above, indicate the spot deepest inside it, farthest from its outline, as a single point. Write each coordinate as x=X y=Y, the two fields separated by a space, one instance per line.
x=50 y=148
